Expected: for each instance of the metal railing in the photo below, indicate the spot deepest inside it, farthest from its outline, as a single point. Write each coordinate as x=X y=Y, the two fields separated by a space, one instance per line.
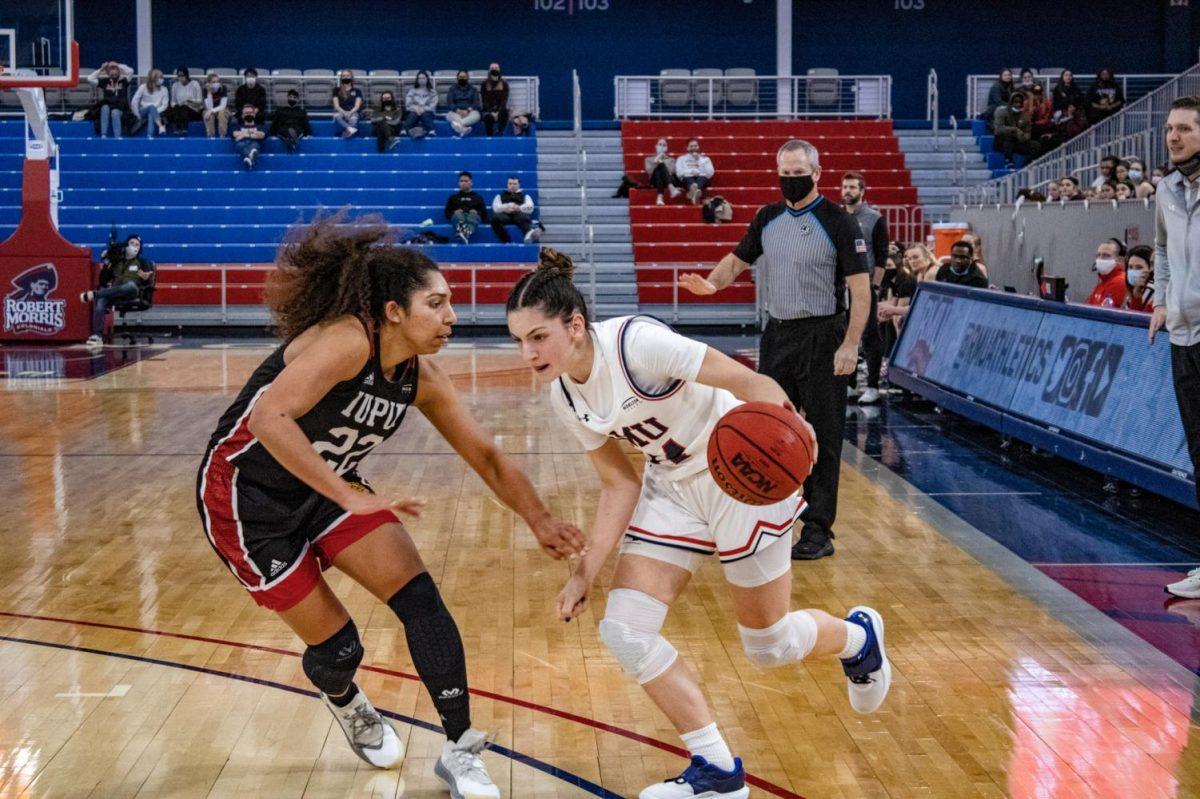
x=236 y=276
x=1133 y=132
x=1132 y=86
x=931 y=105
x=905 y=223
x=752 y=96
x=316 y=92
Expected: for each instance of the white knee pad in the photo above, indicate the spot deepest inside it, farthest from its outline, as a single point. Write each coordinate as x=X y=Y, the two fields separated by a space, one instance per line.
x=630 y=629
x=786 y=641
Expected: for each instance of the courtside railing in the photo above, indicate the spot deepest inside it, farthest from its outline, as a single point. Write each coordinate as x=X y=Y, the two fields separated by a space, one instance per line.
x=1133 y=132
x=752 y=97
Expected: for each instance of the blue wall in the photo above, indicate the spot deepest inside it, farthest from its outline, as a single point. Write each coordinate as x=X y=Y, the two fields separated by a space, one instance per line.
x=640 y=37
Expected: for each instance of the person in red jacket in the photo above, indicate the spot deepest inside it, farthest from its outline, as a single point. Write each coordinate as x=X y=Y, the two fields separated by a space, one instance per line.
x=1111 y=288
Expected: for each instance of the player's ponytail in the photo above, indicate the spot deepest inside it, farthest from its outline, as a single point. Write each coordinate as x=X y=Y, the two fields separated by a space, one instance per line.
x=338 y=267
x=550 y=288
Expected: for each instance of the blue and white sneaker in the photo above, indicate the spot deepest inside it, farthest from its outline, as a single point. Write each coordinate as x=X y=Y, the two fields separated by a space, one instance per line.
x=868 y=674
x=702 y=780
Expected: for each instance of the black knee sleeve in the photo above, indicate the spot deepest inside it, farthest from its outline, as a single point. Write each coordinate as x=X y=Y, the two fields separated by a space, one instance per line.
x=436 y=649
x=331 y=664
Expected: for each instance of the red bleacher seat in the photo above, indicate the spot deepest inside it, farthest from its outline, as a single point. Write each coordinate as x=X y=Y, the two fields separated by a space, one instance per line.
x=743 y=154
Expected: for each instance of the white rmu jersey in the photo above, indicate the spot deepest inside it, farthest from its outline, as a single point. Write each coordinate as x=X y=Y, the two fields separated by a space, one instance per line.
x=642 y=389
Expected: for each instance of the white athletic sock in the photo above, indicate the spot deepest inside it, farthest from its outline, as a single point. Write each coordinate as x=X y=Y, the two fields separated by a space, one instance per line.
x=708 y=743
x=856 y=639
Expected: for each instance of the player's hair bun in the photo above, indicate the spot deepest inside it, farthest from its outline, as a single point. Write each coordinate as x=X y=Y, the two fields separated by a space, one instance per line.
x=553 y=263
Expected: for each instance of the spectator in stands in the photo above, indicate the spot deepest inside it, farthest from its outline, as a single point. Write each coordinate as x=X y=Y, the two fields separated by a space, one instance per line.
x=347 y=104
x=1052 y=191
x=514 y=207
x=112 y=81
x=1068 y=187
x=660 y=168
x=519 y=122
x=1121 y=172
x=694 y=171
x=1105 y=97
x=1014 y=130
x=896 y=293
x=216 y=107
x=1108 y=170
x=1072 y=122
x=1142 y=188
x=1124 y=190
x=464 y=103
x=1041 y=119
x=187 y=102
x=248 y=137
x=1110 y=288
x=387 y=123
x=1107 y=191
x=1066 y=93
x=290 y=123
x=251 y=92
x=121 y=278
x=962 y=269
x=999 y=95
x=896 y=250
x=149 y=104
x=420 y=103
x=494 y=99
x=1139 y=279
x=1027 y=82
x=465 y=209
x=921 y=262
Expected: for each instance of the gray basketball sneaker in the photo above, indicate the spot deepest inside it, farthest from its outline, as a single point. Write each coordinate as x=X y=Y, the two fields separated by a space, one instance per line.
x=369 y=734
x=462 y=769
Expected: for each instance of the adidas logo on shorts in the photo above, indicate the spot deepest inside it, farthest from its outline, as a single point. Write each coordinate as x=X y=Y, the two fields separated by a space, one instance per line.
x=451 y=693
x=277 y=566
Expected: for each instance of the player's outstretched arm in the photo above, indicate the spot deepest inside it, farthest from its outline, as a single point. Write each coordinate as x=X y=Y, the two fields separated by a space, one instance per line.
x=721 y=276
x=620 y=489
x=439 y=401
x=335 y=353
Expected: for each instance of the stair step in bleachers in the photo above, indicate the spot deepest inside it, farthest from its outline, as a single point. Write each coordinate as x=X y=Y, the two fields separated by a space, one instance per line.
x=831 y=163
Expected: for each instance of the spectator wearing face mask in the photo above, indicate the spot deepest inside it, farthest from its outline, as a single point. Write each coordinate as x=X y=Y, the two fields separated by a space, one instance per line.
x=387 y=122
x=1066 y=92
x=464 y=103
x=660 y=168
x=251 y=92
x=999 y=94
x=1014 y=130
x=1142 y=186
x=112 y=83
x=187 y=102
x=465 y=209
x=149 y=104
x=962 y=269
x=420 y=103
x=1111 y=289
x=290 y=123
x=514 y=207
x=1027 y=81
x=694 y=170
x=216 y=107
x=247 y=139
x=1108 y=171
x=1139 y=279
x=347 y=104
x=494 y=98
x=1105 y=97
x=120 y=279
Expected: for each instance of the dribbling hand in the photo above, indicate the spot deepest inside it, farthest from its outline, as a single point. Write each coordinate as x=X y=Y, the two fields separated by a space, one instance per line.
x=362 y=504
x=559 y=539
x=697 y=284
x=572 y=599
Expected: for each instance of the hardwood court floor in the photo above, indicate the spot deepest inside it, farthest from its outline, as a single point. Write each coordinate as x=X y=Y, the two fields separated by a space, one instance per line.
x=132 y=664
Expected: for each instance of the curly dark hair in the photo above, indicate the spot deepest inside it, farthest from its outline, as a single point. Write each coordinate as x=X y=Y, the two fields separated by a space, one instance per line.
x=338 y=266
x=550 y=288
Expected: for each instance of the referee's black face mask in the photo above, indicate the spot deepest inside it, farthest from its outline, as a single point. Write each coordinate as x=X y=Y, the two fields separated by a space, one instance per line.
x=795 y=187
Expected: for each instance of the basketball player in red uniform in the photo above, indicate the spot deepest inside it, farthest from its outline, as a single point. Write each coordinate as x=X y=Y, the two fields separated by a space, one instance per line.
x=281 y=499
x=635 y=379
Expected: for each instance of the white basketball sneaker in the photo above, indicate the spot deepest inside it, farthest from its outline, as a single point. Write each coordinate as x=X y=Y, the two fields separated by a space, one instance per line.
x=462 y=769
x=369 y=734
x=702 y=780
x=1188 y=587
x=869 y=673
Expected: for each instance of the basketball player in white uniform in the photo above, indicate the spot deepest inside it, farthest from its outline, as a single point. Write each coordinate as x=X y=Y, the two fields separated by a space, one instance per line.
x=634 y=379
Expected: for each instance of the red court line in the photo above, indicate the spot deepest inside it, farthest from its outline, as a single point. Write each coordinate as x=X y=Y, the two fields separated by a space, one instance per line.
x=757 y=782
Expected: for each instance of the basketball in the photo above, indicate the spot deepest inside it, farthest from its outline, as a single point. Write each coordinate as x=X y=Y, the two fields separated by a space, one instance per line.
x=760 y=453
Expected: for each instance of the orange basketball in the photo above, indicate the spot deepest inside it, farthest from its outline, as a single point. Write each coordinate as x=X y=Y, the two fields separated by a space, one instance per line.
x=760 y=453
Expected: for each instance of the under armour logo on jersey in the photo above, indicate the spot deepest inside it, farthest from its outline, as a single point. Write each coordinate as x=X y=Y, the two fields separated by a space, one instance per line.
x=277 y=566
x=860 y=245
x=451 y=693
x=370 y=380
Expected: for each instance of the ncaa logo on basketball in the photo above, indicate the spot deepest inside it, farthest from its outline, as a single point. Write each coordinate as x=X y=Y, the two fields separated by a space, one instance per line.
x=28 y=308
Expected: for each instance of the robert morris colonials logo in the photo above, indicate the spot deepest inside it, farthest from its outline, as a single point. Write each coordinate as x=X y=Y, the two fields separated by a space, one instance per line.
x=28 y=308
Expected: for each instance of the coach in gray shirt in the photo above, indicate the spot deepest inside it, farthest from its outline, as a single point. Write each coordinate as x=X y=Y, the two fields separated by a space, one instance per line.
x=810 y=254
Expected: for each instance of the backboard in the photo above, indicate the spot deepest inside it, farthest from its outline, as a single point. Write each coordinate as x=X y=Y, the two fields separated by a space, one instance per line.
x=37 y=43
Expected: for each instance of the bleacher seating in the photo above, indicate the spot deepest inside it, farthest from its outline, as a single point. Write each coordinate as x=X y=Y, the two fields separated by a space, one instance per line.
x=743 y=154
x=199 y=210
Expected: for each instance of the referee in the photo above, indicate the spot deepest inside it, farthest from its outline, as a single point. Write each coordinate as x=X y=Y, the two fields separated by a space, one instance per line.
x=811 y=252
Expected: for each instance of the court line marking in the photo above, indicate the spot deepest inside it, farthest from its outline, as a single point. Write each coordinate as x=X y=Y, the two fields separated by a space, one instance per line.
x=1129 y=563
x=984 y=493
x=541 y=765
x=116 y=692
x=758 y=782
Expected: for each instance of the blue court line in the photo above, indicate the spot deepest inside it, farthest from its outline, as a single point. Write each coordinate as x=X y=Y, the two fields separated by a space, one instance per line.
x=554 y=771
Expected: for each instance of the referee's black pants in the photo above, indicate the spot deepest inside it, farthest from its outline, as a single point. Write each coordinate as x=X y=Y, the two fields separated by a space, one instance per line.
x=872 y=347
x=1185 y=366
x=798 y=355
